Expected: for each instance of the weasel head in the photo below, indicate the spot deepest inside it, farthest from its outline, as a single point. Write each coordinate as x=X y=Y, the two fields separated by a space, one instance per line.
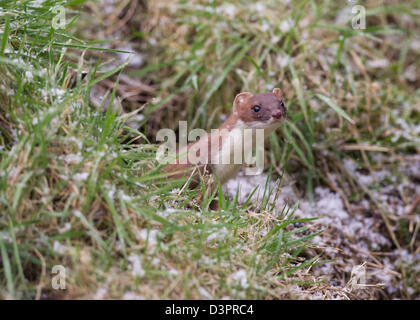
x=262 y=110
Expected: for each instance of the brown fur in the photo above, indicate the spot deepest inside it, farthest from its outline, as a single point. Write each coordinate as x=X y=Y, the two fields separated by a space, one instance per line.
x=271 y=106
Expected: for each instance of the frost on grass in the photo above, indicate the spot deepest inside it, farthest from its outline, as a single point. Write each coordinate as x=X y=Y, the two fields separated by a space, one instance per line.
x=349 y=238
x=218 y=235
x=58 y=247
x=151 y=236
x=79 y=177
x=352 y=235
x=240 y=278
x=133 y=59
x=136 y=265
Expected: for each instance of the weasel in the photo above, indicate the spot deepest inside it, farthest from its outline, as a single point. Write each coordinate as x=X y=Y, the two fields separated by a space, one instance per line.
x=204 y=157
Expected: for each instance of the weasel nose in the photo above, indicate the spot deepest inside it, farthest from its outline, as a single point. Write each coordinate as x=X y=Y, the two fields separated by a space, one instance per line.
x=277 y=114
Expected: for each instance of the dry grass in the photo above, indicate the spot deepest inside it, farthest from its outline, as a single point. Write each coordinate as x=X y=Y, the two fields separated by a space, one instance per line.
x=82 y=189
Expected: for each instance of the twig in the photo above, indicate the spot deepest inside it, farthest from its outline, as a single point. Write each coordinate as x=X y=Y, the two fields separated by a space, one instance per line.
x=413 y=205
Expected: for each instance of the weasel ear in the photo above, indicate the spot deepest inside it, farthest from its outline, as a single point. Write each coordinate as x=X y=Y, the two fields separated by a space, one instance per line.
x=240 y=99
x=278 y=93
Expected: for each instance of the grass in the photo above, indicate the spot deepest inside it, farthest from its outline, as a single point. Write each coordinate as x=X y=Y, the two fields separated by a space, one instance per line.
x=81 y=188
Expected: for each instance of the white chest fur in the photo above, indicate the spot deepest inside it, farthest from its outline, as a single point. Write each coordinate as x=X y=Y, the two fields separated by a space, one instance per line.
x=237 y=148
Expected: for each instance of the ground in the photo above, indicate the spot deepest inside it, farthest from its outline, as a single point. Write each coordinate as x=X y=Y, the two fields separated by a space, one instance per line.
x=335 y=215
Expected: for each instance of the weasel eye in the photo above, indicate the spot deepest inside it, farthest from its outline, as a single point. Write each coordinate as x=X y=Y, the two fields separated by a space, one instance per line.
x=256 y=108
x=281 y=104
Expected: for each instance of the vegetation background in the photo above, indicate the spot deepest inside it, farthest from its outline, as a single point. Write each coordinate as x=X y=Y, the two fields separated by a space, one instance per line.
x=80 y=107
